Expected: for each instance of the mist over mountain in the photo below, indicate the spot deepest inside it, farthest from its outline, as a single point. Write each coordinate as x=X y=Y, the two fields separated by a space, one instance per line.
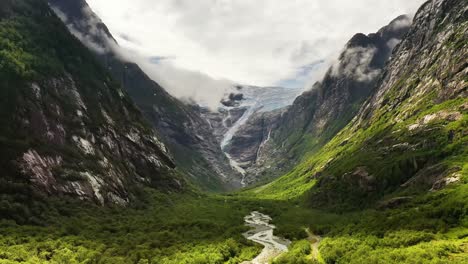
x=252 y=43
x=177 y=122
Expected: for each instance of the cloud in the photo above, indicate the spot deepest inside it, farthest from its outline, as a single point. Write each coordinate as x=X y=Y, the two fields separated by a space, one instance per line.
x=189 y=86
x=402 y=23
x=197 y=50
x=392 y=43
x=354 y=62
x=262 y=42
x=92 y=30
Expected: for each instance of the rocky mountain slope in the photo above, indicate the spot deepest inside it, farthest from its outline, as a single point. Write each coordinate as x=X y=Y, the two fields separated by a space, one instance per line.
x=240 y=108
x=187 y=134
x=410 y=137
x=277 y=141
x=66 y=127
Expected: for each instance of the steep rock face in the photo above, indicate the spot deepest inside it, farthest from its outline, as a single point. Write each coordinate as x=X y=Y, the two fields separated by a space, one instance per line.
x=66 y=127
x=410 y=136
x=416 y=120
x=249 y=146
x=222 y=120
x=187 y=134
x=242 y=123
x=317 y=115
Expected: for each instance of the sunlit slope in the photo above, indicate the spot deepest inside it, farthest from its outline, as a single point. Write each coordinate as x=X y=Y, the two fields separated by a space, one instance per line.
x=410 y=137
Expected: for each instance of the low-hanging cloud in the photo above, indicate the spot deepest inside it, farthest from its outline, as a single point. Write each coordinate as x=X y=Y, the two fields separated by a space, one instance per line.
x=92 y=30
x=189 y=86
x=197 y=50
x=355 y=63
x=253 y=42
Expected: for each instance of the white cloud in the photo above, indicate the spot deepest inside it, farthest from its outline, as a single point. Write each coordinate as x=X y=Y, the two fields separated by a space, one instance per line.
x=86 y=39
x=189 y=86
x=262 y=42
x=355 y=62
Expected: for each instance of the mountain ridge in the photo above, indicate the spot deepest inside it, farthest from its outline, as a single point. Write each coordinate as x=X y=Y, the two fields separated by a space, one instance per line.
x=410 y=135
x=319 y=113
x=67 y=128
x=187 y=133
x=86 y=178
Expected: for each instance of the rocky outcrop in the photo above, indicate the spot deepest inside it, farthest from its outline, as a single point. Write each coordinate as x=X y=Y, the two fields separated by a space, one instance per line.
x=243 y=121
x=182 y=127
x=247 y=145
x=222 y=120
x=67 y=128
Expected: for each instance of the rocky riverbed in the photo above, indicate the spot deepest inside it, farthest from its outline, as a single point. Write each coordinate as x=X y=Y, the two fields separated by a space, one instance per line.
x=262 y=233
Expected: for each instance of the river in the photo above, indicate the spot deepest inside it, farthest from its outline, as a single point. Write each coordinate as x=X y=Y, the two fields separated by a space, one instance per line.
x=262 y=233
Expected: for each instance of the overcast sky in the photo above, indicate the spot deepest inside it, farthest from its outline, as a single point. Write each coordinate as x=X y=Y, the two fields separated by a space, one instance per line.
x=258 y=42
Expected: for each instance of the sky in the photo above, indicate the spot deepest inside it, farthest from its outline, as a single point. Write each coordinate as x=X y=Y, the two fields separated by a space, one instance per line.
x=262 y=42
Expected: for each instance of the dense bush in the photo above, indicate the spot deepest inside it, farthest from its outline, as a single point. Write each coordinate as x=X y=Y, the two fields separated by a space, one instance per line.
x=299 y=253
x=171 y=229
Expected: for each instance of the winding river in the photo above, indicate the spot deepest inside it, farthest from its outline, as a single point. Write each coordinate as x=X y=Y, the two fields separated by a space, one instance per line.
x=262 y=233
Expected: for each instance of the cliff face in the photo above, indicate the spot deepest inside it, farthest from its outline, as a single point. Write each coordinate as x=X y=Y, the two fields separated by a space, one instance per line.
x=187 y=134
x=66 y=128
x=318 y=114
x=410 y=136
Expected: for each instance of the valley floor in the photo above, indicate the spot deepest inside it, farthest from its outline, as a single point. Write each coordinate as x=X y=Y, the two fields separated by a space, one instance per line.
x=197 y=228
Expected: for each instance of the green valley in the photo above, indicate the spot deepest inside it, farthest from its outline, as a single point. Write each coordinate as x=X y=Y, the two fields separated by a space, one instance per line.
x=98 y=170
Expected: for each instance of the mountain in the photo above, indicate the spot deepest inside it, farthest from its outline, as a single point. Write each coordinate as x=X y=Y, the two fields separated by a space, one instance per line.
x=409 y=138
x=66 y=127
x=276 y=141
x=238 y=108
x=187 y=134
x=86 y=178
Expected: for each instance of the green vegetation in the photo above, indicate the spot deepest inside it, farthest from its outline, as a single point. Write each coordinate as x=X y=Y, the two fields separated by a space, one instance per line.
x=299 y=252
x=169 y=229
x=430 y=228
x=382 y=177
x=373 y=186
x=207 y=229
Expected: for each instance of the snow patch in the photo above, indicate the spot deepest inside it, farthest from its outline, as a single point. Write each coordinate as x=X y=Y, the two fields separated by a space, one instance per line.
x=233 y=130
x=236 y=165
